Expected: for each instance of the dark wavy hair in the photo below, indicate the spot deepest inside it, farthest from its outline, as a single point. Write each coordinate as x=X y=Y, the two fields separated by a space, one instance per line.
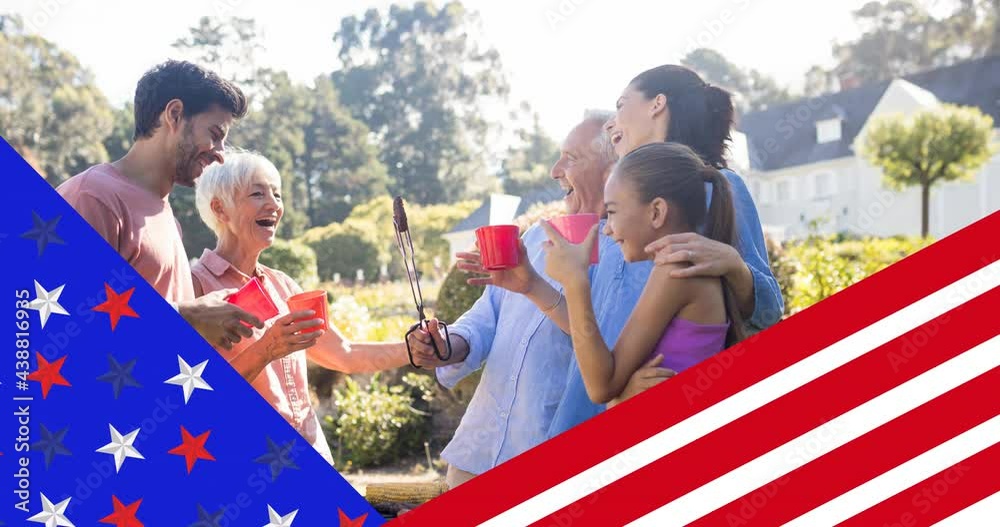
x=675 y=173
x=701 y=115
x=198 y=88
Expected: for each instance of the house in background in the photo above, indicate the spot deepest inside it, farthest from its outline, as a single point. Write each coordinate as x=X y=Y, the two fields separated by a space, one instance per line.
x=498 y=209
x=801 y=163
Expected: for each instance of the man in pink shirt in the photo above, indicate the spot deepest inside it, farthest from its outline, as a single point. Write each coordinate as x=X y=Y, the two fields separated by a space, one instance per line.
x=182 y=117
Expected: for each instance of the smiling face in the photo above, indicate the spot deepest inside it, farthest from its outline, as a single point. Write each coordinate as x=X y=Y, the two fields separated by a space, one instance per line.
x=581 y=170
x=257 y=209
x=201 y=143
x=638 y=121
x=632 y=223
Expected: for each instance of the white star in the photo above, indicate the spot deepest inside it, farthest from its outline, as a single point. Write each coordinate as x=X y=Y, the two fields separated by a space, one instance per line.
x=53 y=515
x=121 y=447
x=189 y=378
x=277 y=520
x=47 y=302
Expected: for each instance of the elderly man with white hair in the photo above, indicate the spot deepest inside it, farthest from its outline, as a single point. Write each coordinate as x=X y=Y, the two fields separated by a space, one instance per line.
x=241 y=202
x=529 y=389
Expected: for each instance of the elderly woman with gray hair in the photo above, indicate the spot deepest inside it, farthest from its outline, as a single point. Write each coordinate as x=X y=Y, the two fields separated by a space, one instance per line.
x=241 y=202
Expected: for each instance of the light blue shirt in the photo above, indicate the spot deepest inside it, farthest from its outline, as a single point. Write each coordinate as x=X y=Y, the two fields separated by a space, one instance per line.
x=616 y=288
x=531 y=388
x=526 y=358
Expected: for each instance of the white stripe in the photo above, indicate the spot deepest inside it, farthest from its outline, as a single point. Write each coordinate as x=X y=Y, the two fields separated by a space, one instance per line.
x=938 y=459
x=750 y=399
x=832 y=435
x=982 y=513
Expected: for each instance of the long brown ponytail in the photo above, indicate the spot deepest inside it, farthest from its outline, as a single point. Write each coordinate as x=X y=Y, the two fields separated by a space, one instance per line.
x=675 y=173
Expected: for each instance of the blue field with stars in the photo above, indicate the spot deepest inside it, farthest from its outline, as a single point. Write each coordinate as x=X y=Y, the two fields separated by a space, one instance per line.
x=118 y=413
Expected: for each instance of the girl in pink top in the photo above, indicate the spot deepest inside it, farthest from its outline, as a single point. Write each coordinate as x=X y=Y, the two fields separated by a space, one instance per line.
x=241 y=202
x=656 y=190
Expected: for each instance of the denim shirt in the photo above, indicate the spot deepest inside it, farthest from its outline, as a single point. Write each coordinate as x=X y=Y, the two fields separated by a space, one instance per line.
x=526 y=358
x=616 y=287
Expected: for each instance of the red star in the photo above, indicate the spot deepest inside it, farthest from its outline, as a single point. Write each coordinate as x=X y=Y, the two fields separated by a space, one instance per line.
x=192 y=448
x=48 y=374
x=124 y=515
x=348 y=522
x=117 y=305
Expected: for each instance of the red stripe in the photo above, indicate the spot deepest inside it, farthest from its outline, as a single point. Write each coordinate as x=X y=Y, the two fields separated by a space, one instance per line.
x=939 y=496
x=865 y=458
x=790 y=416
x=691 y=392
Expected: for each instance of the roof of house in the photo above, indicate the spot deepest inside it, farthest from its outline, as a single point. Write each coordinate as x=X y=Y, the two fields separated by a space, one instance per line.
x=785 y=135
x=481 y=216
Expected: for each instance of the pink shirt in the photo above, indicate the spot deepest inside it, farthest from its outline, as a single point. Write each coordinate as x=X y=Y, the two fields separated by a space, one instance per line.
x=137 y=223
x=283 y=382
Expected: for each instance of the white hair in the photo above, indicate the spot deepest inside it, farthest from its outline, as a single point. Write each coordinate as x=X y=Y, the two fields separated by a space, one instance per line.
x=227 y=180
x=602 y=143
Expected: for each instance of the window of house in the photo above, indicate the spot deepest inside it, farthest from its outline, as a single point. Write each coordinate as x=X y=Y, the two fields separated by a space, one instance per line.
x=822 y=184
x=828 y=130
x=784 y=191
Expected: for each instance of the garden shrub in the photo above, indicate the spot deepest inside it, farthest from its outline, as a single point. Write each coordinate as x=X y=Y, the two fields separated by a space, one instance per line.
x=295 y=259
x=378 y=423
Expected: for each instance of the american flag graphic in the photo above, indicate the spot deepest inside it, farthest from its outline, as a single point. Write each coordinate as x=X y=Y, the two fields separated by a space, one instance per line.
x=117 y=412
x=879 y=406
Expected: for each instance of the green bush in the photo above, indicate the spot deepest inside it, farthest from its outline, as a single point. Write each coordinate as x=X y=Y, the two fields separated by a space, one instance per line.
x=456 y=296
x=783 y=268
x=295 y=259
x=427 y=225
x=343 y=249
x=826 y=264
x=380 y=423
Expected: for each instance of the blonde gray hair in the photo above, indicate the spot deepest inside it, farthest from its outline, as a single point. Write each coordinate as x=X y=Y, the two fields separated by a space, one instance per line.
x=227 y=180
x=602 y=143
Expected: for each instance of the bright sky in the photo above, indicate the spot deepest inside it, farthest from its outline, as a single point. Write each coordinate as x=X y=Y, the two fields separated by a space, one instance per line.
x=562 y=56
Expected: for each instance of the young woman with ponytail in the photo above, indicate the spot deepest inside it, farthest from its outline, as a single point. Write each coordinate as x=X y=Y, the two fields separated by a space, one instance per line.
x=672 y=103
x=656 y=190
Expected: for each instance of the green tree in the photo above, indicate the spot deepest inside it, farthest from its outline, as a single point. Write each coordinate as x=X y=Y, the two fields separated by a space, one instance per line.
x=340 y=164
x=757 y=90
x=118 y=142
x=51 y=111
x=900 y=37
x=228 y=46
x=327 y=160
x=277 y=131
x=528 y=162
x=942 y=144
x=420 y=80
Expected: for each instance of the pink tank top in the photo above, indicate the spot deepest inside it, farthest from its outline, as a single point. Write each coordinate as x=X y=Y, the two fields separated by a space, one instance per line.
x=685 y=343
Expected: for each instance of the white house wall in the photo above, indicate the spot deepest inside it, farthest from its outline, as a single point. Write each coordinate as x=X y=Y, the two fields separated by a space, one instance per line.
x=871 y=208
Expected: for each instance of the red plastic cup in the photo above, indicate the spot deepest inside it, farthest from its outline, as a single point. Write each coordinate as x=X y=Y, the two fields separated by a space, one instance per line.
x=499 y=246
x=575 y=228
x=314 y=300
x=253 y=299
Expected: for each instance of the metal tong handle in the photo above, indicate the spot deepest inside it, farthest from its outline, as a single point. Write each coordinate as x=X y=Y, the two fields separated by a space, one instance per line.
x=437 y=351
x=404 y=241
